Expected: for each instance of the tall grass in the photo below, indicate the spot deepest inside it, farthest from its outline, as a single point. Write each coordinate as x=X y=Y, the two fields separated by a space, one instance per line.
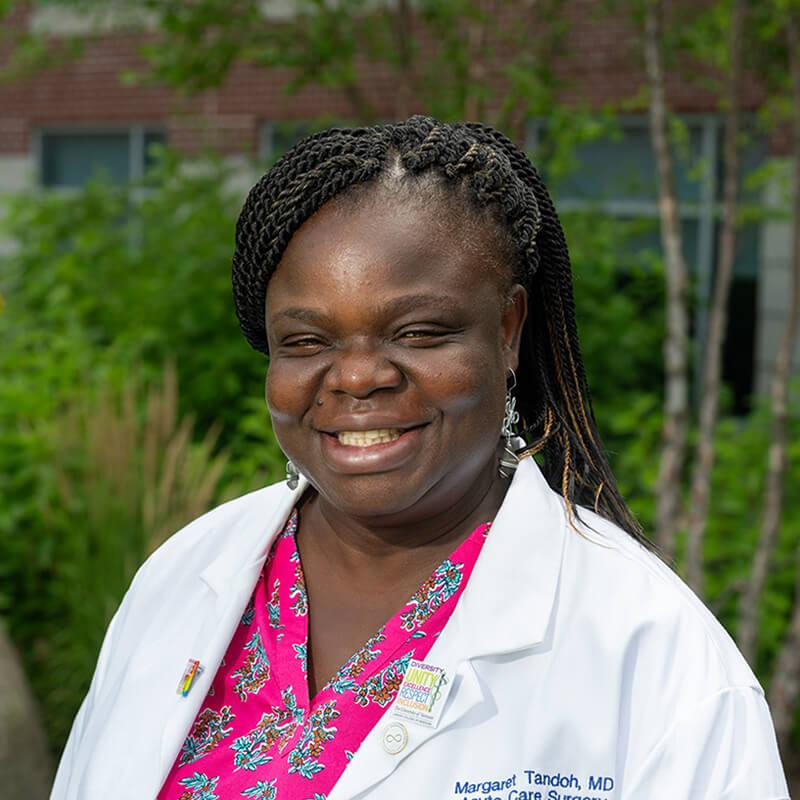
x=127 y=474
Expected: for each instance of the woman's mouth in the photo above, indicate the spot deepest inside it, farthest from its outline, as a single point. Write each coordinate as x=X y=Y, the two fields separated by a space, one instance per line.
x=368 y=438
x=372 y=451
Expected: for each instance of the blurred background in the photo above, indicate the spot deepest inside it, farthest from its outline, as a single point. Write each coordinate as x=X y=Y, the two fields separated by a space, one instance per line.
x=669 y=134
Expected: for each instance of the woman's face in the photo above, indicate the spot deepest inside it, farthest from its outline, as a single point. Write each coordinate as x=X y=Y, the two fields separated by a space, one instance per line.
x=390 y=341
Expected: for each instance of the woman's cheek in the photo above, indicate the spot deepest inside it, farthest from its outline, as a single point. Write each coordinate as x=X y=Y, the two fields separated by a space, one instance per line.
x=464 y=381
x=290 y=390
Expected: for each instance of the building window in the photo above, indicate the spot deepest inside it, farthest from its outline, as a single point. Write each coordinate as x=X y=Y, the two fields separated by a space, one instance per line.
x=70 y=157
x=617 y=175
x=276 y=137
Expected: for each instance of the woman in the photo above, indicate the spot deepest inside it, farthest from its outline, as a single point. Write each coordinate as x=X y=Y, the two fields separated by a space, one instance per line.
x=420 y=610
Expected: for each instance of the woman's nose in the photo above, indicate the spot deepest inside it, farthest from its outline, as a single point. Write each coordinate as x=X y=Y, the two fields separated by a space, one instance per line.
x=361 y=370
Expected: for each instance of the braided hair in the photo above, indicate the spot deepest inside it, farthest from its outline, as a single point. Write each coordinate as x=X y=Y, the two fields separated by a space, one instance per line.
x=488 y=171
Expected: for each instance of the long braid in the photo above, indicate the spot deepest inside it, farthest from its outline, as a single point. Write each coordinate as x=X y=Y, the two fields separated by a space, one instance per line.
x=489 y=171
x=559 y=306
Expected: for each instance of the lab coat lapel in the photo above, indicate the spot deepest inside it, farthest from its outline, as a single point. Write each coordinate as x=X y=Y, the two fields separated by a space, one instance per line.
x=207 y=642
x=508 y=602
x=223 y=591
x=506 y=607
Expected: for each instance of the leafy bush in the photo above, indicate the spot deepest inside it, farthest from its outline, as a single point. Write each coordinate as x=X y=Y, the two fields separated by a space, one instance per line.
x=104 y=285
x=144 y=271
x=619 y=299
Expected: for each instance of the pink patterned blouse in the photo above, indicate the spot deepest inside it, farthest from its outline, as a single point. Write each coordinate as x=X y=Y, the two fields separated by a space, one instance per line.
x=257 y=734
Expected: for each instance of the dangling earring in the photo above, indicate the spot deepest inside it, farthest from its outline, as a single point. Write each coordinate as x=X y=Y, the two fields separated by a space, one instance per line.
x=508 y=458
x=292 y=475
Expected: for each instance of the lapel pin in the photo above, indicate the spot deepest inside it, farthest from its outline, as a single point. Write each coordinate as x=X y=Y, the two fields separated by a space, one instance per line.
x=192 y=671
x=422 y=694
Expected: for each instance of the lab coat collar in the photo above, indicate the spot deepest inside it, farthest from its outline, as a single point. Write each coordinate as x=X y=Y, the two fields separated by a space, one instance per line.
x=530 y=521
x=508 y=602
x=252 y=538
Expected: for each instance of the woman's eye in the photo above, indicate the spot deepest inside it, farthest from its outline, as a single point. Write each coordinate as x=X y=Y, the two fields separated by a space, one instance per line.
x=422 y=335
x=303 y=343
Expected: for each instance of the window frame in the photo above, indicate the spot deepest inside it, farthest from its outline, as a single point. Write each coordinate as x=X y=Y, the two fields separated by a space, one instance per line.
x=136 y=132
x=267 y=128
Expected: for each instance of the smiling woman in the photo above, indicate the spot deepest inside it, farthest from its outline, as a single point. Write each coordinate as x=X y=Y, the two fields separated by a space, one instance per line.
x=420 y=608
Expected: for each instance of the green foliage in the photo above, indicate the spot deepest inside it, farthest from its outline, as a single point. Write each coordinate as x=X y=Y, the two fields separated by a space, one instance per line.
x=206 y=38
x=318 y=43
x=619 y=301
x=143 y=272
x=103 y=287
x=632 y=434
x=565 y=131
x=741 y=449
x=30 y=53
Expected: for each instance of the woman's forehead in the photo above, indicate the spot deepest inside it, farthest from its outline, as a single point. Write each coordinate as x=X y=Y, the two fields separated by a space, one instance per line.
x=381 y=245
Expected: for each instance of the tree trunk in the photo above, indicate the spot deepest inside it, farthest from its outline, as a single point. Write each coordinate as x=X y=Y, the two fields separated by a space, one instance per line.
x=676 y=344
x=361 y=108
x=712 y=366
x=25 y=768
x=785 y=686
x=786 y=678
x=779 y=445
x=477 y=41
x=403 y=32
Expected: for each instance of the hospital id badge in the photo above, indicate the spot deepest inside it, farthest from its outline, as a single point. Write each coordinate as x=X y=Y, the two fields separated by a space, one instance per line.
x=422 y=694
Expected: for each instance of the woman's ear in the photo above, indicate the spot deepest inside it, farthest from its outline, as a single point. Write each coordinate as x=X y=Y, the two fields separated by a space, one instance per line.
x=514 y=315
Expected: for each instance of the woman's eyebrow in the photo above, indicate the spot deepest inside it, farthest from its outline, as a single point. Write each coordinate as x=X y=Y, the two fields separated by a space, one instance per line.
x=392 y=308
x=302 y=314
x=409 y=302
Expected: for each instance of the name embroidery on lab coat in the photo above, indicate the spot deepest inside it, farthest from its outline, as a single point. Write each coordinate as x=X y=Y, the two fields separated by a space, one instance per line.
x=530 y=784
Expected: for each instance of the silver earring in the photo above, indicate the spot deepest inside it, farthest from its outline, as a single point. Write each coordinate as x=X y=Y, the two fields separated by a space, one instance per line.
x=292 y=475
x=508 y=458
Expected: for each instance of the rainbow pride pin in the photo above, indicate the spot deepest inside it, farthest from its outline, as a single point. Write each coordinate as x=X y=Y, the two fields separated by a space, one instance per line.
x=190 y=674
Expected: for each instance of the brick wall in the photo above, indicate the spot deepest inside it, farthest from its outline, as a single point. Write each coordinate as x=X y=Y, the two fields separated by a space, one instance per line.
x=603 y=67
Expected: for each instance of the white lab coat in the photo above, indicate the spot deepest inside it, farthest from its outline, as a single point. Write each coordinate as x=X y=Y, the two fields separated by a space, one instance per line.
x=582 y=668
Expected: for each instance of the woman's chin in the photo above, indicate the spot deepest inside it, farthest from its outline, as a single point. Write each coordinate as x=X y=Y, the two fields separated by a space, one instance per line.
x=373 y=496
x=399 y=485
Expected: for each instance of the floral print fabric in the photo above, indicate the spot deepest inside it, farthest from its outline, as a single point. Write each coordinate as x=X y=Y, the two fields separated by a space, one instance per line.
x=258 y=735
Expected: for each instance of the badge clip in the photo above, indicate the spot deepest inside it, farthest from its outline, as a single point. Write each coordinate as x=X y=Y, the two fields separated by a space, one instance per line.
x=192 y=672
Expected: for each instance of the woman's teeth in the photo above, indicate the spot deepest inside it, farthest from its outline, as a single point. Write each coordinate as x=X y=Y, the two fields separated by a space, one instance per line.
x=367 y=438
